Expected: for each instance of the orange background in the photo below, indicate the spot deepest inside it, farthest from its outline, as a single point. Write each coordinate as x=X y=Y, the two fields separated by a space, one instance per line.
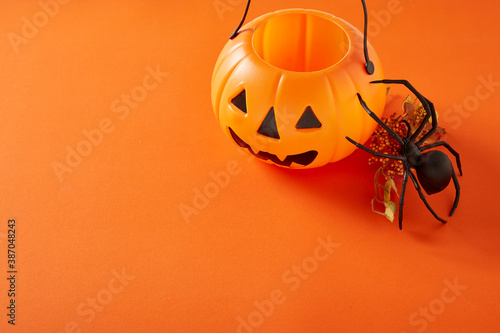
x=118 y=210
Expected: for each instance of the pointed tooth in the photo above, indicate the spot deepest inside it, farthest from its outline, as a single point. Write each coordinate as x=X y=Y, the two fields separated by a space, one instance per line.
x=282 y=157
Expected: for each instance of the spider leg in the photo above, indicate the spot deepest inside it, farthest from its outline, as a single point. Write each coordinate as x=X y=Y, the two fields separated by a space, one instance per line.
x=408 y=128
x=402 y=198
x=428 y=107
x=457 y=193
x=380 y=122
x=424 y=122
x=400 y=158
x=419 y=190
x=447 y=146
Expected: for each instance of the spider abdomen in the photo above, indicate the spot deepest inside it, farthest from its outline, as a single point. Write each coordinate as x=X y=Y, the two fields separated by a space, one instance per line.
x=434 y=171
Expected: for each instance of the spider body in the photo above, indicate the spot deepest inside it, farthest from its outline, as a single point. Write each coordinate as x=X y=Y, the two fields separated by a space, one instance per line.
x=434 y=169
x=410 y=152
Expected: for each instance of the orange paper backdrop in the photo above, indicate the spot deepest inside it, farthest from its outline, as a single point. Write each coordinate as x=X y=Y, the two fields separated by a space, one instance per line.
x=135 y=213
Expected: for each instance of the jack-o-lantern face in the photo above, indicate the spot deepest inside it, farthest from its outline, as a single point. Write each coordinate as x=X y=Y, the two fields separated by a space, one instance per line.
x=268 y=128
x=285 y=89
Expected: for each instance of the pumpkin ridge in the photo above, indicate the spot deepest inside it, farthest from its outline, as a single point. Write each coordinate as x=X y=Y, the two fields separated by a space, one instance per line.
x=342 y=114
x=363 y=122
x=223 y=59
x=225 y=78
x=278 y=86
x=336 y=114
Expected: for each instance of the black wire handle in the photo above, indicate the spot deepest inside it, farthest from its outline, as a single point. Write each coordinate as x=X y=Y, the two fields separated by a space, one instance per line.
x=237 y=31
x=369 y=67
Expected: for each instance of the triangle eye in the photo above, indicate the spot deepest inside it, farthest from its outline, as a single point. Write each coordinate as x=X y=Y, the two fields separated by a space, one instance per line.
x=240 y=101
x=308 y=120
x=268 y=127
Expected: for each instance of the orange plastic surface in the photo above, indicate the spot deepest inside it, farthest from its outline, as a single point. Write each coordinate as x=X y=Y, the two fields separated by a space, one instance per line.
x=290 y=60
x=134 y=213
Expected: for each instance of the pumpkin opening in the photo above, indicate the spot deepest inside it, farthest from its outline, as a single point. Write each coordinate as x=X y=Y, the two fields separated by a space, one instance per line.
x=300 y=42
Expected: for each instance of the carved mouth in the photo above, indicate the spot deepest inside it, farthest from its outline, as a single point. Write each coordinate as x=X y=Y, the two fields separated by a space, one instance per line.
x=302 y=159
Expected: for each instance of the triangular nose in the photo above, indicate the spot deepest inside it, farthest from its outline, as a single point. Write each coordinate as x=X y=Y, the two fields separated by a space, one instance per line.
x=268 y=127
x=308 y=120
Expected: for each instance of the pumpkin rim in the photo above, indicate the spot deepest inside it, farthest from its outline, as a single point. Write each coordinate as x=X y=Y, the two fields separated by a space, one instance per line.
x=332 y=19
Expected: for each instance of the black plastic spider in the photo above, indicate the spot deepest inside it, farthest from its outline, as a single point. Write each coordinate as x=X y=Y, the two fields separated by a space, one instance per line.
x=434 y=168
